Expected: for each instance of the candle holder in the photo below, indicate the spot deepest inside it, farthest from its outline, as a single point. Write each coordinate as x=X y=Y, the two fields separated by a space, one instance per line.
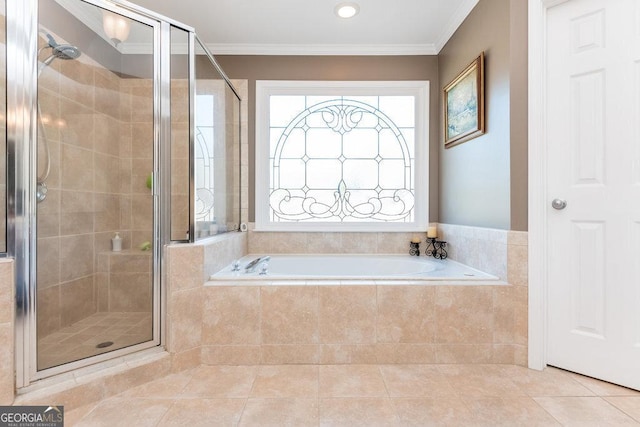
x=414 y=248
x=436 y=248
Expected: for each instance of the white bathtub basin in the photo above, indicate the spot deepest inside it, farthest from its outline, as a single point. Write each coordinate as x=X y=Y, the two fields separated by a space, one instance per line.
x=353 y=267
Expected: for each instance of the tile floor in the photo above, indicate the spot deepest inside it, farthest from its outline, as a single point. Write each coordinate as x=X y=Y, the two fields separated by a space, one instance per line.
x=366 y=395
x=79 y=340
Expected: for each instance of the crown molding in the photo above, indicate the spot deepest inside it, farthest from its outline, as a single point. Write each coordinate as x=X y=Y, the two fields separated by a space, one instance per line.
x=321 y=49
x=461 y=13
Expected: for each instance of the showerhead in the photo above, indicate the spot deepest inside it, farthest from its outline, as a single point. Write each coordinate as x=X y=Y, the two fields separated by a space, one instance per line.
x=60 y=51
x=66 y=51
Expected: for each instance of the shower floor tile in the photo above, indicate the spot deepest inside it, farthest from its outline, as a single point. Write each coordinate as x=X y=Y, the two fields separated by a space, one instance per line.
x=269 y=396
x=80 y=340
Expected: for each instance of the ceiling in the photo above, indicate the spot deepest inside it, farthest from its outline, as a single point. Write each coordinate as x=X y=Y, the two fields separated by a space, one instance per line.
x=290 y=27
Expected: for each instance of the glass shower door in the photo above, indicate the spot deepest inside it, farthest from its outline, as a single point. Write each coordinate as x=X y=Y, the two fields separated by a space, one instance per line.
x=95 y=207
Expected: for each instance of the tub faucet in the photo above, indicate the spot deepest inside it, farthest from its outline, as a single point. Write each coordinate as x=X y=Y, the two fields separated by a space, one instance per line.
x=251 y=267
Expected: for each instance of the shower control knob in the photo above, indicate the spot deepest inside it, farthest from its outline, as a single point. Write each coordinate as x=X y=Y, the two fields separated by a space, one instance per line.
x=558 y=204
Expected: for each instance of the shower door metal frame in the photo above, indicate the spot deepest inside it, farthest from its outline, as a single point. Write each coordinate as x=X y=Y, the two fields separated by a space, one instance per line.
x=22 y=46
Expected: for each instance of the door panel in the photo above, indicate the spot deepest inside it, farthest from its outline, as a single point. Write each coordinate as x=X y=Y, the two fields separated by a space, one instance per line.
x=594 y=161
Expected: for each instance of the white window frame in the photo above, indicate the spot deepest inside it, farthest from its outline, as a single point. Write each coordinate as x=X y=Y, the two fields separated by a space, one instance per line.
x=267 y=88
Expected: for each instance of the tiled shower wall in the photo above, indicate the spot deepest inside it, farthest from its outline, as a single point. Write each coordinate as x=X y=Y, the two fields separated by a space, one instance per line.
x=100 y=131
x=7 y=328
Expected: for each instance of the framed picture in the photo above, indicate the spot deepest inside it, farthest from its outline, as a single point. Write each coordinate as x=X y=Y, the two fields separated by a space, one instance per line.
x=464 y=105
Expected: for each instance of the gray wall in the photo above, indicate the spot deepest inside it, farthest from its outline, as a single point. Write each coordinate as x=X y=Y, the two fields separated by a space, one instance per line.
x=519 y=116
x=483 y=182
x=255 y=68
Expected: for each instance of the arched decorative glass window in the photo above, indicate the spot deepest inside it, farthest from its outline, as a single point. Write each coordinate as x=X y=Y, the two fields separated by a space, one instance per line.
x=341 y=155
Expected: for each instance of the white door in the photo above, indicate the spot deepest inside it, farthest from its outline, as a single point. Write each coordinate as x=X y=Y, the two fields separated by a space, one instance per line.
x=593 y=118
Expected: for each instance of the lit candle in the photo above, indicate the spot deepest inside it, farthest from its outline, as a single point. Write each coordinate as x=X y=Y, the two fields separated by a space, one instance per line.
x=415 y=239
x=432 y=232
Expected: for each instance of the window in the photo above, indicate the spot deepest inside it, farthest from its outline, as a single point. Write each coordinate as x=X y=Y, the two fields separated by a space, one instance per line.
x=341 y=156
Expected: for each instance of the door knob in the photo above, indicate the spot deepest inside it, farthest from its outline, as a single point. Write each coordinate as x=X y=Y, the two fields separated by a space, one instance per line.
x=558 y=204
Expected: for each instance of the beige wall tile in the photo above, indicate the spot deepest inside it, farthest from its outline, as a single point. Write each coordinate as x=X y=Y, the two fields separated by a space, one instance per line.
x=393 y=243
x=393 y=353
x=106 y=172
x=77 y=170
x=6 y=361
x=518 y=265
x=324 y=243
x=504 y=353
x=185 y=310
x=185 y=264
x=130 y=262
x=48 y=316
x=73 y=395
x=359 y=243
x=186 y=360
x=137 y=374
x=347 y=314
x=503 y=314
x=232 y=315
x=76 y=82
x=406 y=314
x=521 y=314
x=223 y=250
x=77 y=300
x=78 y=248
x=107 y=93
x=48 y=263
x=464 y=314
x=142 y=103
x=231 y=355
x=77 y=129
x=142 y=212
x=308 y=354
x=338 y=354
x=520 y=355
x=7 y=290
x=130 y=292
x=464 y=353
x=289 y=314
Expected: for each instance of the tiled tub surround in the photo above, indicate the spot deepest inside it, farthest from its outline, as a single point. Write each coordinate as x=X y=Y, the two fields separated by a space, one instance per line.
x=488 y=250
x=431 y=324
x=189 y=266
x=363 y=323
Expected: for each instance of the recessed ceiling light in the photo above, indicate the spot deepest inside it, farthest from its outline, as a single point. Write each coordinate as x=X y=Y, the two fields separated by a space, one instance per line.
x=347 y=10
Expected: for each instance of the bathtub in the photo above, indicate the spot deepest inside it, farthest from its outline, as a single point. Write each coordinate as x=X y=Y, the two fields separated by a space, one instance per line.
x=361 y=309
x=374 y=267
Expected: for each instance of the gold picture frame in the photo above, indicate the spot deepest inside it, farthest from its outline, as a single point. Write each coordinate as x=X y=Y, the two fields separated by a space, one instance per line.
x=464 y=105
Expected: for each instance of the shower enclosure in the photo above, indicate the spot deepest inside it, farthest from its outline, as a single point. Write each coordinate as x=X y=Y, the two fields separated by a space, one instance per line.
x=122 y=137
